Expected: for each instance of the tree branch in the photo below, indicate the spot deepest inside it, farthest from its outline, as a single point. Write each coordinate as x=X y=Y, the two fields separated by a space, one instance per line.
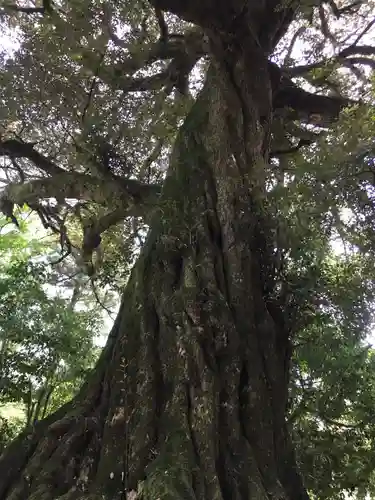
x=363 y=32
x=126 y=194
x=365 y=50
x=192 y=41
x=162 y=25
x=365 y=61
x=92 y=234
x=338 y=11
x=46 y=7
x=17 y=149
x=305 y=106
x=335 y=10
x=64 y=184
x=183 y=52
x=325 y=25
x=107 y=21
x=274 y=16
x=276 y=20
x=296 y=35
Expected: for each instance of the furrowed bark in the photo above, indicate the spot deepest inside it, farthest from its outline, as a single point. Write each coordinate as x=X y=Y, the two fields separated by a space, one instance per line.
x=188 y=399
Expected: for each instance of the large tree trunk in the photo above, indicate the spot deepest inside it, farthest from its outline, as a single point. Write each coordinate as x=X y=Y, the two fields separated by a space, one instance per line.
x=189 y=397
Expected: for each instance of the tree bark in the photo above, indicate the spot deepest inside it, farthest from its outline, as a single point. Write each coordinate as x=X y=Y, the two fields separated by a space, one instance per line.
x=188 y=399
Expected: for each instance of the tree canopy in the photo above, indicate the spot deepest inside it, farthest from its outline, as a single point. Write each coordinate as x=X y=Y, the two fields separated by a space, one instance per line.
x=92 y=99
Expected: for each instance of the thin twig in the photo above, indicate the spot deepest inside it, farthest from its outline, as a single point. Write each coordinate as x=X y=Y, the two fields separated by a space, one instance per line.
x=107 y=310
x=92 y=88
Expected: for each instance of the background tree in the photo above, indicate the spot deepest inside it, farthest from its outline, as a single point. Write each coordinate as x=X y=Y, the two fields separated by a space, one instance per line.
x=190 y=394
x=46 y=346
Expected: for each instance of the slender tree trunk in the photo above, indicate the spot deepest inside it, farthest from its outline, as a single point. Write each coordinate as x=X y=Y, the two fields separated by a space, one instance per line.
x=49 y=392
x=3 y=357
x=30 y=406
x=189 y=396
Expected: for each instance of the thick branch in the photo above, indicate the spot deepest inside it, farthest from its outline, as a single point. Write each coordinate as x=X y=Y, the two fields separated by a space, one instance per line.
x=363 y=61
x=93 y=230
x=184 y=54
x=207 y=13
x=276 y=21
x=176 y=71
x=272 y=16
x=364 y=50
x=303 y=104
x=144 y=84
x=126 y=194
x=192 y=41
x=25 y=10
x=17 y=149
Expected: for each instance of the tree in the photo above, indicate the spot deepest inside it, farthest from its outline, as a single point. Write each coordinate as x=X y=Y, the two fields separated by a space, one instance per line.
x=45 y=345
x=190 y=394
x=332 y=390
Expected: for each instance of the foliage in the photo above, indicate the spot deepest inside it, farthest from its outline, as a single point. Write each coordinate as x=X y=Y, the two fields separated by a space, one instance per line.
x=9 y=429
x=327 y=209
x=46 y=345
x=333 y=386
